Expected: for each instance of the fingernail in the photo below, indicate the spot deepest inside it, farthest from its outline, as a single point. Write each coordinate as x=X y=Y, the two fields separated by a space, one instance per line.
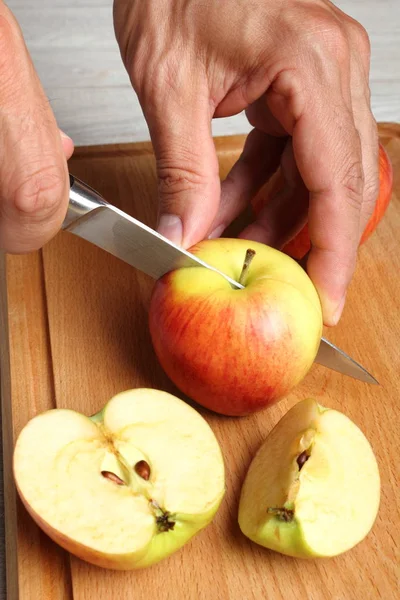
x=217 y=232
x=338 y=313
x=170 y=226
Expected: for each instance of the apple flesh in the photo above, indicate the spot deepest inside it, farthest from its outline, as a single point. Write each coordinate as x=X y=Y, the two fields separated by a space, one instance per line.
x=125 y=488
x=300 y=244
x=313 y=488
x=236 y=351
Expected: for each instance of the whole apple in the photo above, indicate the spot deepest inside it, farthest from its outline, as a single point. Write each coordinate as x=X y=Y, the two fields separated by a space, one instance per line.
x=236 y=351
x=298 y=246
x=126 y=487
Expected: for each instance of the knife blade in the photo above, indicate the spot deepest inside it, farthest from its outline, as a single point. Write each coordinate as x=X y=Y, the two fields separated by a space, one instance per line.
x=90 y=217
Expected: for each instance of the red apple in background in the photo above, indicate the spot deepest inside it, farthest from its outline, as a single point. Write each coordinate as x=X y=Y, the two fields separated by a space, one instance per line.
x=236 y=351
x=300 y=244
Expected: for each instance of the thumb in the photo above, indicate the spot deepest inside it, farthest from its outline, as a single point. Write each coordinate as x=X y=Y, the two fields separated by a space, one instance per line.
x=187 y=167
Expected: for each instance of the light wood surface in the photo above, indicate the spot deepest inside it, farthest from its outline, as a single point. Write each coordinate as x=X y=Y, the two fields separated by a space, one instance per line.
x=74 y=332
x=73 y=47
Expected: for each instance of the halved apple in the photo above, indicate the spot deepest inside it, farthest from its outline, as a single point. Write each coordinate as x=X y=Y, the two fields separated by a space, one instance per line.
x=124 y=488
x=313 y=488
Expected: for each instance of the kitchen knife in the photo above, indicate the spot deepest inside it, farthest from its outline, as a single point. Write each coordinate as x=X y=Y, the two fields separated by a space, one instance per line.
x=90 y=217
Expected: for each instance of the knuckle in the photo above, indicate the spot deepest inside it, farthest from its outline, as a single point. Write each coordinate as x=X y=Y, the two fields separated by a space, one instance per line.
x=40 y=193
x=328 y=33
x=152 y=71
x=135 y=51
x=159 y=80
x=174 y=181
x=360 y=38
x=353 y=184
x=135 y=58
x=366 y=91
x=371 y=192
x=7 y=38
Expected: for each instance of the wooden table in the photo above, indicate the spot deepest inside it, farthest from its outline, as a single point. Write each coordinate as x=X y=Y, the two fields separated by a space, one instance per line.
x=74 y=332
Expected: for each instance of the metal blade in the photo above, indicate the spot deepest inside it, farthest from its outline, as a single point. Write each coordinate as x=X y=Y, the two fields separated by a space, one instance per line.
x=93 y=219
x=334 y=358
x=136 y=244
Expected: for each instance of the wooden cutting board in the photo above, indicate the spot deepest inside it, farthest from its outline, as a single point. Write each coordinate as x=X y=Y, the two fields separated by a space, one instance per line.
x=74 y=332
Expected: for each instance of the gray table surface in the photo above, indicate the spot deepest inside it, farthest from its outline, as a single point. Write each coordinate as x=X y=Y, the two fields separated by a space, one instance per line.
x=74 y=50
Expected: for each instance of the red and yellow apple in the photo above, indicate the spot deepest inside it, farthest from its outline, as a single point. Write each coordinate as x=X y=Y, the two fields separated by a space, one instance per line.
x=126 y=487
x=300 y=244
x=313 y=487
x=236 y=351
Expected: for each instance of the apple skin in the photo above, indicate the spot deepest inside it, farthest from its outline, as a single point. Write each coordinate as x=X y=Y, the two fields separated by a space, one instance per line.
x=160 y=549
x=162 y=421
x=300 y=244
x=236 y=351
x=333 y=498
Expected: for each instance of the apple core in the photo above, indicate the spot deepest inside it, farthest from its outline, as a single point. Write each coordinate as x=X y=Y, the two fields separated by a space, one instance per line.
x=125 y=488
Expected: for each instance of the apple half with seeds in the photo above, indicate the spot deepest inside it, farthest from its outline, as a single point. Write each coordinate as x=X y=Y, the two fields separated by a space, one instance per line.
x=313 y=488
x=125 y=488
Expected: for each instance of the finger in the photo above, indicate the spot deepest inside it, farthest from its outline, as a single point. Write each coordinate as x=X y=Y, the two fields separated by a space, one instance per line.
x=258 y=161
x=179 y=122
x=327 y=149
x=285 y=213
x=363 y=118
x=33 y=171
x=67 y=144
x=260 y=117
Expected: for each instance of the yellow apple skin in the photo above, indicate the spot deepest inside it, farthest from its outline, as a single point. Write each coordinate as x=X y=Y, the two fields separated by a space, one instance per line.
x=236 y=351
x=58 y=462
x=331 y=502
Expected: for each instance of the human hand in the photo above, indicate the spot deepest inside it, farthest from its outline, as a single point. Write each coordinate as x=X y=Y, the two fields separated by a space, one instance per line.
x=34 y=183
x=300 y=70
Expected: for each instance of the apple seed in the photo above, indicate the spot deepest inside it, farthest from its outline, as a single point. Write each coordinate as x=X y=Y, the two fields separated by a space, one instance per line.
x=142 y=468
x=112 y=477
x=302 y=459
x=250 y=254
x=283 y=514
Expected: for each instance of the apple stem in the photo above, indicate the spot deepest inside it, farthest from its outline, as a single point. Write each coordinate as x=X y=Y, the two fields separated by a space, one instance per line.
x=250 y=254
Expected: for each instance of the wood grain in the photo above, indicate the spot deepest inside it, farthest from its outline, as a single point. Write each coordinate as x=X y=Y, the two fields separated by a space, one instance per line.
x=77 y=333
x=27 y=389
x=74 y=50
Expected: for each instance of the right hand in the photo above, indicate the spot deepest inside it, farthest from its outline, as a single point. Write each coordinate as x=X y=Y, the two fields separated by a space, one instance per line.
x=300 y=70
x=34 y=183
